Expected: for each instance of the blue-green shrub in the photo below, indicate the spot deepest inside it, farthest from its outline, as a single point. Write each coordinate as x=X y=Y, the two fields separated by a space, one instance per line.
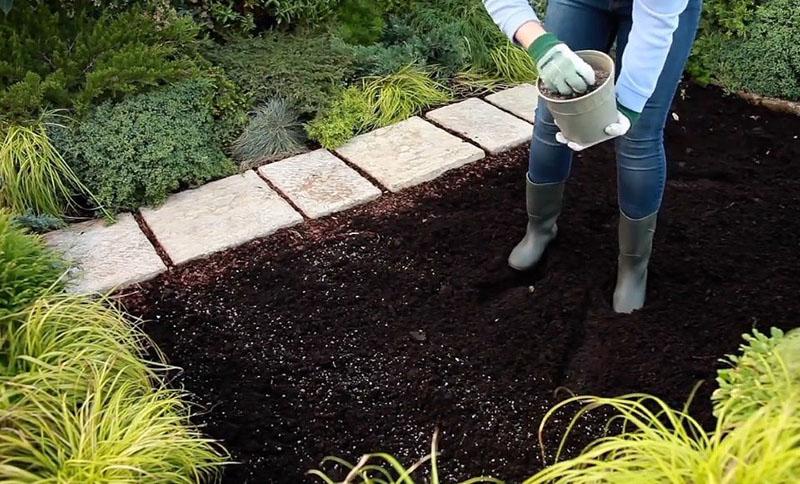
x=307 y=70
x=138 y=151
x=274 y=132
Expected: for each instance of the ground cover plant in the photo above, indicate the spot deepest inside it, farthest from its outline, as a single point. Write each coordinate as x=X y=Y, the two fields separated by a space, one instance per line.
x=367 y=330
x=750 y=45
x=138 y=151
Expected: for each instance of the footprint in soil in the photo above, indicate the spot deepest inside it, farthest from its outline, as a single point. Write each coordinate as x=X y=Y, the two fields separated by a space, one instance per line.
x=503 y=279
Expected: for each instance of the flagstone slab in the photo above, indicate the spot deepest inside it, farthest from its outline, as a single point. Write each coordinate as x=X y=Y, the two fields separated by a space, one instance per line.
x=408 y=153
x=319 y=183
x=520 y=101
x=222 y=214
x=493 y=129
x=106 y=256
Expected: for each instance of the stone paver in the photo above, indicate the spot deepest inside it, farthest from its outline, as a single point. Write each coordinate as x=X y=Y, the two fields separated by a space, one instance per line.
x=319 y=183
x=519 y=100
x=222 y=214
x=106 y=256
x=408 y=153
x=493 y=129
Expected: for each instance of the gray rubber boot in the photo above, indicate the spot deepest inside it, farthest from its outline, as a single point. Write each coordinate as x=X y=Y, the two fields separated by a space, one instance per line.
x=544 y=206
x=635 y=246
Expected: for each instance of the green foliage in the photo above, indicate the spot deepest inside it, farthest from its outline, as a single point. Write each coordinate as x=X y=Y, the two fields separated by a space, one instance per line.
x=232 y=18
x=306 y=70
x=400 y=95
x=361 y=21
x=434 y=35
x=56 y=60
x=767 y=369
x=381 y=60
x=138 y=151
x=382 y=101
x=34 y=178
x=274 y=132
x=661 y=444
x=750 y=45
x=27 y=269
x=456 y=36
x=39 y=223
x=385 y=468
x=728 y=16
x=350 y=114
x=767 y=60
x=79 y=404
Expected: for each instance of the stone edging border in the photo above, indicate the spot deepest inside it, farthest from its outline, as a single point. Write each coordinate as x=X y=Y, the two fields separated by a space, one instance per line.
x=771 y=103
x=255 y=204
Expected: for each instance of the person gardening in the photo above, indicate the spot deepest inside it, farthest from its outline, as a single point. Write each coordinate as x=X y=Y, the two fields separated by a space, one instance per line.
x=653 y=41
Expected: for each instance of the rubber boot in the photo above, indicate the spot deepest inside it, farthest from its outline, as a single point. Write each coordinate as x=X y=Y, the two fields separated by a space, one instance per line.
x=543 y=206
x=635 y=246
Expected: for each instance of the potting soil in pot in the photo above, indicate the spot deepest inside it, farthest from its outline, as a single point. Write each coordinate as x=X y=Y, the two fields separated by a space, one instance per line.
x=600 y=78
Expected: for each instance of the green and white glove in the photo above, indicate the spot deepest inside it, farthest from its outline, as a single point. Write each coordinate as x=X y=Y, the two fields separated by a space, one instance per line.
x=560 y=69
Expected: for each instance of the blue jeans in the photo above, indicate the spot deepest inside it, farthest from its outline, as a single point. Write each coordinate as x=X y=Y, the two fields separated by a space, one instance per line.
x=641 y=160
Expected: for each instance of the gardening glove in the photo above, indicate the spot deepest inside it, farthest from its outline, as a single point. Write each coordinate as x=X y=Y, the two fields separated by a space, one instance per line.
x=560 y=69
x=625 y=119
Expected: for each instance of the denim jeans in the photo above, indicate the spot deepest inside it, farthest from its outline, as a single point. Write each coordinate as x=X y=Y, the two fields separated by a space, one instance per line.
x=641 y=160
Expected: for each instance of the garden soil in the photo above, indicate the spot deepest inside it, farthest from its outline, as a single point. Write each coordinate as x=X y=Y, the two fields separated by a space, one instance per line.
x=367 y=330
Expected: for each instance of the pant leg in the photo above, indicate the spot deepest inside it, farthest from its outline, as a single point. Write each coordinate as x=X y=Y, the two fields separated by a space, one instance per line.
x=641 y=159
x=581 y=24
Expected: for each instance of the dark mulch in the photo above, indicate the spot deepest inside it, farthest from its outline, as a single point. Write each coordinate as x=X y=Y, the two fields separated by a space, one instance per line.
x=364 y=331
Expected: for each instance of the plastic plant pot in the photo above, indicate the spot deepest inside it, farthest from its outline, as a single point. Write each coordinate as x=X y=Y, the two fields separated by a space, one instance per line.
x=584 y=119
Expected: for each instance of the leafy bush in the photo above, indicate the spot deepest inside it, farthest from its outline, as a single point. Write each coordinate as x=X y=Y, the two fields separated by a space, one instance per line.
x=360 y=21
x=52 y=59
x=138 y=151
x=34 y=177
x=306 y=70
x=400 y=95
x=274 y=132
x=767 y=60
x=350 y=114
x=27 y=269
x=728 y=16
x=434 y=35
x=767 y=369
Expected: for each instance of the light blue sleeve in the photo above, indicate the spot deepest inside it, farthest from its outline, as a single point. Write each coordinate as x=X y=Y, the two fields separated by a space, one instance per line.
x=509 y=15
x=654 y=23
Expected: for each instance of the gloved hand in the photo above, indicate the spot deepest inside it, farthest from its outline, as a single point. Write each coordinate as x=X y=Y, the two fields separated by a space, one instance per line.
x=560 y=69
x=625 y=119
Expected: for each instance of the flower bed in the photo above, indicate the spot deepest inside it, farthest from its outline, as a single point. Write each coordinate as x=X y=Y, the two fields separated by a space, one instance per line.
x=364 y=332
